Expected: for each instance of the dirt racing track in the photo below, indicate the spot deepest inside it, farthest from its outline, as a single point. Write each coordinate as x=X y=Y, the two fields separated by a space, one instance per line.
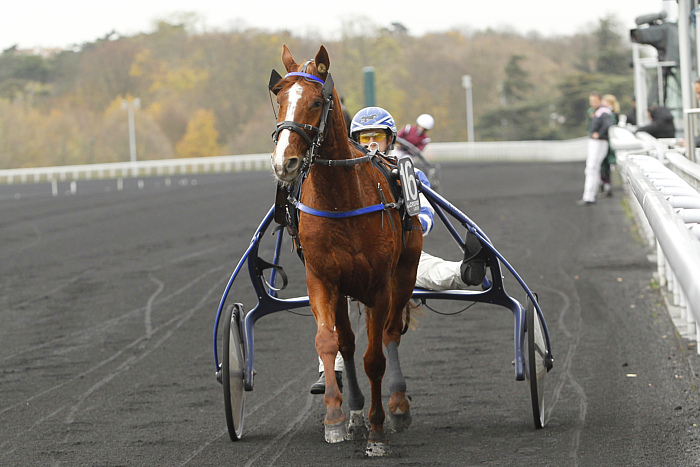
x=107 y=309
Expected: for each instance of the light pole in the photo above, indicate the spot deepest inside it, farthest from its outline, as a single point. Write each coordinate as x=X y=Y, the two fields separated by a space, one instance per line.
x=130 y=106
x=467 y=84
x=370 y=100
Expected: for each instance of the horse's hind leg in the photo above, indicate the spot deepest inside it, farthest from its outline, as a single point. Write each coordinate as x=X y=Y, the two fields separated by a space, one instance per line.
x=357 y=428
x=399 y=407
x=401 y=290
x=375 y=366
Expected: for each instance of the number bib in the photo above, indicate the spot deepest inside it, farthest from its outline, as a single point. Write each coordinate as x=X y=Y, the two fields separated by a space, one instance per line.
x=409 y=185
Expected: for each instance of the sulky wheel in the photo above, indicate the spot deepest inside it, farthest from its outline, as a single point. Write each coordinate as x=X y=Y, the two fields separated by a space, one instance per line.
x=232 y=369
x=535 y=352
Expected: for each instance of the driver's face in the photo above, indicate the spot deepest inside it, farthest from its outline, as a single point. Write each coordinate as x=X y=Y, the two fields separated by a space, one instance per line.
x=368 y=137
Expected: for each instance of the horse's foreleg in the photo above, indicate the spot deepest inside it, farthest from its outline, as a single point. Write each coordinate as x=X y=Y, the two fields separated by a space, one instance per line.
x=324 y=305
x=375 y=365
x=335 y=422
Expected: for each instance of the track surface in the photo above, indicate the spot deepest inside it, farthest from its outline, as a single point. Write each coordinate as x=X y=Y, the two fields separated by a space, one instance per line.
x=107 y=308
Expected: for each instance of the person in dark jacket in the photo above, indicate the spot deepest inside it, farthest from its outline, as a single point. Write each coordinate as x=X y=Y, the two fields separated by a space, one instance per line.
x=661 y=125
x=610 y=160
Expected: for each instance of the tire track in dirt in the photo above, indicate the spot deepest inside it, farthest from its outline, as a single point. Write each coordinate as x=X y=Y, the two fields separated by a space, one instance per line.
x=565 y=366
x=142 y=343
x=85 y=335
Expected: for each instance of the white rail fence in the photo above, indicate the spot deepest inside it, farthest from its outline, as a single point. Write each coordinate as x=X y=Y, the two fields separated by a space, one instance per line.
x=515 y=151
x=668 y=208
x=136 y=169
x=497 y=151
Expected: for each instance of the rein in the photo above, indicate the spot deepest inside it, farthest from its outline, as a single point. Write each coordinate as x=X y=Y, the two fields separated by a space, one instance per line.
x=342 y=214
x=352 y=212
x=342 y=162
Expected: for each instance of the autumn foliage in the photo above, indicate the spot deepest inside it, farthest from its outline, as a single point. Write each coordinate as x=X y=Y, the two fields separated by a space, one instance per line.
x=205 y=93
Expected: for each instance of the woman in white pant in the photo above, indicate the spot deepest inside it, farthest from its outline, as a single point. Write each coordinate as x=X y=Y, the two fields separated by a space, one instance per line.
x=597 y=148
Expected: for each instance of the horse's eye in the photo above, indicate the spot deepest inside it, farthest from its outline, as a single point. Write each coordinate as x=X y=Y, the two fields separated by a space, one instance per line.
x=317 y=104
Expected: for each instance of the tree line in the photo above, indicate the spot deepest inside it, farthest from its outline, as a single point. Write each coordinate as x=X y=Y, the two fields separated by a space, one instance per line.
x=205 y=93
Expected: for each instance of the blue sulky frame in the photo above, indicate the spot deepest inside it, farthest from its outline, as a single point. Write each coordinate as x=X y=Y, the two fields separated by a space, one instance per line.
x=494 y=292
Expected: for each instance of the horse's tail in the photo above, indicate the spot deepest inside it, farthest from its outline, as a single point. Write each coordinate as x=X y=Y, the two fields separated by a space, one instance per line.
x=411 y=312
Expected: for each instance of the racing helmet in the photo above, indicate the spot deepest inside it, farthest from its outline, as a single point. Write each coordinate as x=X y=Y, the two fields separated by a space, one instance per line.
x=373 y=118
x=426 y=121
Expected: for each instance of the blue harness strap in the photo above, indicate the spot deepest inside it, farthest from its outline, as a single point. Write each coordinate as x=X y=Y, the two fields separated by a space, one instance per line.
x=339 y=214
x=305 y=75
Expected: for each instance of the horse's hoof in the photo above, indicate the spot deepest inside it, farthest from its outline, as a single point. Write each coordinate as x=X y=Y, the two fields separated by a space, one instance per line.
x=336 y=433
x=400 y=421
x=357 y=426
x=377 y=449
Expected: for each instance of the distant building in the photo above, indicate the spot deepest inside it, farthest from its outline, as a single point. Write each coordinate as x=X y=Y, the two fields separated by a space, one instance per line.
x=43 y=52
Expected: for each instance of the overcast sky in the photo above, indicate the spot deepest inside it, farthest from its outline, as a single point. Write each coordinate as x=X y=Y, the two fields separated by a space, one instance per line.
x=44 y=23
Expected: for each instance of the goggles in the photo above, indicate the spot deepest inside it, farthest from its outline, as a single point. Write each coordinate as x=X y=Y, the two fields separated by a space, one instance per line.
x=378 y=136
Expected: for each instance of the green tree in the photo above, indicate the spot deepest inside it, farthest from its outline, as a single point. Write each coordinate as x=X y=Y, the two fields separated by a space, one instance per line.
x=574 y=90
x=612 y=57
x=21 y=73
x=516 y=85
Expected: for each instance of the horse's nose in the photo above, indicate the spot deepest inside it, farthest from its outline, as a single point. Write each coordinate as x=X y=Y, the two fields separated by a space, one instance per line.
x=291 y=164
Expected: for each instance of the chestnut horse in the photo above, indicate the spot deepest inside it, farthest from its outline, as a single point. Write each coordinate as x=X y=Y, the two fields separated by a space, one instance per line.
x=348 y=252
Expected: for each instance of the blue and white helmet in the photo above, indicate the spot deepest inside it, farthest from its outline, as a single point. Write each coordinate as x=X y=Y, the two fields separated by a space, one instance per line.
x=373 y=118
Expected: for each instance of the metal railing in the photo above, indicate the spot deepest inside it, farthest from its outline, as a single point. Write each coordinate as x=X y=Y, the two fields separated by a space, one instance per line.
x=567 y=150
x=690 y=120
x=687 y=170
x=137 y=169
x=510 y=151
x=668 y=207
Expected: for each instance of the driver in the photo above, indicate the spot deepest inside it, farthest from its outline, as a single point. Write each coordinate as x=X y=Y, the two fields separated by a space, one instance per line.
x=375 y=126
x=418 y=135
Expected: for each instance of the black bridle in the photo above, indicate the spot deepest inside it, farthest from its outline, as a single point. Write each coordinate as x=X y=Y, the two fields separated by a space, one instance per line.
x=317 y=133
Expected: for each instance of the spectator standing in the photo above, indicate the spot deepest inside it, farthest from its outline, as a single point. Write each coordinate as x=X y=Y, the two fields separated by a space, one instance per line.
x=610 y=160
x=597 y=148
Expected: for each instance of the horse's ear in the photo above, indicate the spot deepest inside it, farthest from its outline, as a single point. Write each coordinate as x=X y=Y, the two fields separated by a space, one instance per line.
x=323 y=63
x=288 y=60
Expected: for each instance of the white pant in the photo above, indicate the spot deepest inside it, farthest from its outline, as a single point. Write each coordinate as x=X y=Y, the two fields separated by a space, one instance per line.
x=437 y=274
x=338 y=363
x=597 y=150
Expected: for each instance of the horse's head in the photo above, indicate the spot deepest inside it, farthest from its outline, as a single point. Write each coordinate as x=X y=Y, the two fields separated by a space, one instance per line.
x=305 y=98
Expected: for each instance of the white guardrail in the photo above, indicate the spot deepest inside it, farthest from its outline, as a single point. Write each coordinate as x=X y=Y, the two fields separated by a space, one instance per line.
x=663 y=187
x=137 y=169
x=568 y=150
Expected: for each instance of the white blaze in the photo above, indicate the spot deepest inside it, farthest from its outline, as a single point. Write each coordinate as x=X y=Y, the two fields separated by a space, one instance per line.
x=294 y=96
